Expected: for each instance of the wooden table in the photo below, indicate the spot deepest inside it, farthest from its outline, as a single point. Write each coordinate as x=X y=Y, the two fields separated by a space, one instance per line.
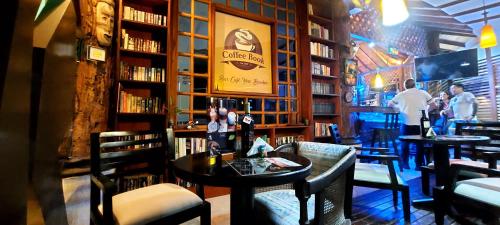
x=197 y=169
x=441 y=155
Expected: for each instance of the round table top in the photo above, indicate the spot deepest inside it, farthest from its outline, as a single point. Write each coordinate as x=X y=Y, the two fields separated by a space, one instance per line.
x=446 y=139
x=195 y=168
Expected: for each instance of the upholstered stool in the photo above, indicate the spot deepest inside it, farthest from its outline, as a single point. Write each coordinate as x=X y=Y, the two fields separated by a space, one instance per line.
x=147 y=204
x=486 y=190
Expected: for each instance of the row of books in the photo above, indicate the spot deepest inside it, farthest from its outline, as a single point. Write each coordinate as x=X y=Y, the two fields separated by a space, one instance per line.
x=320 y=69
x=141 y=73
x=288 y=139
x=322 y=50
x=321 y=129
x=323 y=88
x=128 y=183
x=323 y=108
x=138 y=104
x=317 y=30
x=186 y=146
x=139 y=44
x=130 y=13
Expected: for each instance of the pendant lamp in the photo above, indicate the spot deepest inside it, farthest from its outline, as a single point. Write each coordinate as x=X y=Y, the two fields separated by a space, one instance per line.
x=488 y=38
x=394 y=12
x=379 y=83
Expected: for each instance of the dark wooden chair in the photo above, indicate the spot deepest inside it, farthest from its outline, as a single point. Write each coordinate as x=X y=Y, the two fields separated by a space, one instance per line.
x=387 y=133
x=482 y=156
x=337 y=139
x=325 y=197
x=128 y=171
x=478 y=197
x=383 y=176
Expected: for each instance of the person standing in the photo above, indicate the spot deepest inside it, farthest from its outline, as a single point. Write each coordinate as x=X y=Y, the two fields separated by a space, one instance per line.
x=463 y=106
x=410 y=103
x=437 y=105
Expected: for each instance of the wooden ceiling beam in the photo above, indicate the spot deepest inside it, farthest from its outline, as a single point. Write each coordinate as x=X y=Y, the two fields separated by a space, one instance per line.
x=366 y=60
x=432 y=19
x=449 y=42
x=451 y=27
x=442 y=23
x=490 y=18
x=456 y=33
x=370 y=52
x=452 y=3
x=419 y=4
x=476 y=9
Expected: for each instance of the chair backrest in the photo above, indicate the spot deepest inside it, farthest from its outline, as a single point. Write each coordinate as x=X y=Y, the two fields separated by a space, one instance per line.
x=332 y=173
x=391 y=121
x=129 y=154
x=486 y=128
x=334 y=131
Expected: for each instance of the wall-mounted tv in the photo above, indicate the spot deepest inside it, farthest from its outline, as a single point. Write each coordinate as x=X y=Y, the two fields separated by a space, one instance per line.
x=447 y=66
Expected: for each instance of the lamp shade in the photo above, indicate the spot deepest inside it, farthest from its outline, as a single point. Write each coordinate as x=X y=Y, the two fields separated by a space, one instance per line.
x=488 y=38
x=394 y=12
x=379 y=83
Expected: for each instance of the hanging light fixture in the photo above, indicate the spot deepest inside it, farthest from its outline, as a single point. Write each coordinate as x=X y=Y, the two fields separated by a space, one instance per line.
x=394 y=12
x=488 y=38
x=379 y=83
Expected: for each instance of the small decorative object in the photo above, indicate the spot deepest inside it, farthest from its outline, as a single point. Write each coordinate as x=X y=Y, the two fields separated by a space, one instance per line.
x=221 y=128
x=259 y=146
x=104 y=19
x=96 y=53
x=350 y=72
x=261 y=151
x=430 y=133
x=191 y=124
x=306 y=122
x=348 y=96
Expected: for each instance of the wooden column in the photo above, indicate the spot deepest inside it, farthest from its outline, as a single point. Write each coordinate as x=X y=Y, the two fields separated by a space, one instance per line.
x=492 y=82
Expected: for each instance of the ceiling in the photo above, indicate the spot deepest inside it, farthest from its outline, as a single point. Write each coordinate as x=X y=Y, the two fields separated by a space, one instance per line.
x=455 y=20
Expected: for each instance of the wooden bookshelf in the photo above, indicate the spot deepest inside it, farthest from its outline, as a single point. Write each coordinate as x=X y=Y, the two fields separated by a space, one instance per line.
x=141 y=60
x=323 y=69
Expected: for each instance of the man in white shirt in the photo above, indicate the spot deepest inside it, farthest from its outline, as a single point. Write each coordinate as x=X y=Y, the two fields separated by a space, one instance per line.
x=410 y=103
x=463 y=106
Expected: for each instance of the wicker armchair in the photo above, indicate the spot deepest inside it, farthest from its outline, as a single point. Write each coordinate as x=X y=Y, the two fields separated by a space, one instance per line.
x=325 y=197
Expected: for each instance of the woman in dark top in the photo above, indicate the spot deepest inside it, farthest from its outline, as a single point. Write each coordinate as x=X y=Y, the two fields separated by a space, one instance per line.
x=437 y=106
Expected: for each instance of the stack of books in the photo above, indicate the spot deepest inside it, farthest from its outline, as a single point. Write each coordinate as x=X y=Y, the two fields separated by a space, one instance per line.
x=322 y=50
x=320 y=69
x=141 y=73
x=130 y=13
x=323 y=108
x=319 y=31
x=185 y=146
x=137 y=104
x=321 y=129
x=139 y=44
x=288 y=139
x=322 y=88
x=128 y=183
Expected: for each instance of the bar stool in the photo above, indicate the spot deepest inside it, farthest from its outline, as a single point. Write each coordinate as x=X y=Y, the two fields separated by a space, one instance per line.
x=386 y=133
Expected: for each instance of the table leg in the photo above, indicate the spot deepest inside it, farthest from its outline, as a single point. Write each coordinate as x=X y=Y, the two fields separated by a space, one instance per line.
x=242 y=205
x=441 y=168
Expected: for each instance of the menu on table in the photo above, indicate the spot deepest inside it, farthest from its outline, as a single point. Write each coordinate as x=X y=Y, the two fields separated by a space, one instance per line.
x=261 y=166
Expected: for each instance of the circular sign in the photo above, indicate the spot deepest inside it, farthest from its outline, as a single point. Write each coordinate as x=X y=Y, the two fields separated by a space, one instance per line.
x=243 y=40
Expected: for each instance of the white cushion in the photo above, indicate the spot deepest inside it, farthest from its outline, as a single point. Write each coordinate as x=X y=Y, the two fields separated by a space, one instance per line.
x=485 y=190
x=377 y=173
x=147 y=204
x=466 y=162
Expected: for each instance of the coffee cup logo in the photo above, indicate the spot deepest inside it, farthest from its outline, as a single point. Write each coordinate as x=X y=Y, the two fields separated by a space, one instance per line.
x=243 y=50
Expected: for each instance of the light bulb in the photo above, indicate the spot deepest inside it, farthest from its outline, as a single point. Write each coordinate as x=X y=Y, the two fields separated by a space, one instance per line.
x=379 y=83
x=394 y=12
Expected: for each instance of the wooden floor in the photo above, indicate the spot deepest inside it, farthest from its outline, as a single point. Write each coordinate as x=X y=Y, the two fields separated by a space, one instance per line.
x=377 y=208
